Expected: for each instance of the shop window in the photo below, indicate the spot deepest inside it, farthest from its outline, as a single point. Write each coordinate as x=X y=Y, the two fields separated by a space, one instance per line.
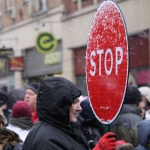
x=79 y=60
x=140 y=57
x=139 y=49
x=40 y=7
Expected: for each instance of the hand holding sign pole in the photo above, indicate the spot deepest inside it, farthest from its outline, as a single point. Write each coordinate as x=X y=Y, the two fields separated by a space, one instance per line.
x=107 y=62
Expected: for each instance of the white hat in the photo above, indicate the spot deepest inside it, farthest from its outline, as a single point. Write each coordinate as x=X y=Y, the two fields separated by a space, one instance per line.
x=145 y=91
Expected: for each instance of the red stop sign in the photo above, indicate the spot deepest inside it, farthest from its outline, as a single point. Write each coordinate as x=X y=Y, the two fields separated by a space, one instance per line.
x=107 y=62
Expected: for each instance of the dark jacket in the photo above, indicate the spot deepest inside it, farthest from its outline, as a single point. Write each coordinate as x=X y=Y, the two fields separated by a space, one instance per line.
x=125 y=126
x=143 y=130
x=53 y=131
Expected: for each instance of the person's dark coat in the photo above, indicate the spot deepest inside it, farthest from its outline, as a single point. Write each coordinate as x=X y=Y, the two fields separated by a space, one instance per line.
x=143 y=130
x=53 y=131
x=125 y=126
x=89 y=122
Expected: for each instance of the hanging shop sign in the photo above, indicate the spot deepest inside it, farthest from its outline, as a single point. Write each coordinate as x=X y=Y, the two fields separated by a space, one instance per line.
x=52 y=58
x=5 y=51
x=45 y=42
x=16 y=63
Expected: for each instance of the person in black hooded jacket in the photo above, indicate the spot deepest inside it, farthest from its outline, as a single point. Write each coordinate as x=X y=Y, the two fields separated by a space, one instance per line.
x=57 y=106
x=88 y=120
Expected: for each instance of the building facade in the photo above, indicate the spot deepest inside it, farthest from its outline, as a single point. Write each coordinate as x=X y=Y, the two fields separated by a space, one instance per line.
x=21 y=22
x=77 y=25
x=69 y=21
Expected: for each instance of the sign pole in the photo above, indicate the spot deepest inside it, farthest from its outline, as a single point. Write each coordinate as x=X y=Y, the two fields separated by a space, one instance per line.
x=107 y=128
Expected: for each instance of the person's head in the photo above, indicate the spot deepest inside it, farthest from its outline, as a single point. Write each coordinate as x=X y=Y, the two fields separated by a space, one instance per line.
x=142 y=106
x=15 y=95
x=58 y=100
x=21 y=109
x=31 y=94
x=127 y=146
x=132 y=95
x=87 y=119
x=145 y=91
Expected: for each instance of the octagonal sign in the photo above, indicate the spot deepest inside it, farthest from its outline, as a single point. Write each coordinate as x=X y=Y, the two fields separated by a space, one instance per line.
x=107 y=59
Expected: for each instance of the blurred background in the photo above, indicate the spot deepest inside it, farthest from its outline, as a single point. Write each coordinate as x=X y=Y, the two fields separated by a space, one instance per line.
x=40 y=38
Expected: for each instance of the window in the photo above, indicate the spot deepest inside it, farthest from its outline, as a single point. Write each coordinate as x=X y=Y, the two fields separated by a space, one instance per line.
x=7 y=4
x=41 y=5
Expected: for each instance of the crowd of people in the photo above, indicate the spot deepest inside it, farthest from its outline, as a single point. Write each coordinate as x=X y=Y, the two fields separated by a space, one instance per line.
x=53 y=115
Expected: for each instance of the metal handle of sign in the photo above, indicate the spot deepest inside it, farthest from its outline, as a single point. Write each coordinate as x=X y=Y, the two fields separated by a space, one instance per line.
x=107 y=128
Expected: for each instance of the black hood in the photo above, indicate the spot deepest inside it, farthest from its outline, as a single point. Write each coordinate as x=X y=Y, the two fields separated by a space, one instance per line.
x=54 y=98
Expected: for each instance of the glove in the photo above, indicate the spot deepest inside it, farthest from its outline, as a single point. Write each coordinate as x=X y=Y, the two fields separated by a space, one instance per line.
x=106 y=142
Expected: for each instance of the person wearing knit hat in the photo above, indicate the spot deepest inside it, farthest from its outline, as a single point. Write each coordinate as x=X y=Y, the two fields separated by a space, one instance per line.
x=57 y=107
x=21 y=121
x=88 y=120
x=21 y=109
x=145 y=91
x=15 y=95
x=33 y=86
x=130 y=115
x=30 y=98
x=132 y=96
